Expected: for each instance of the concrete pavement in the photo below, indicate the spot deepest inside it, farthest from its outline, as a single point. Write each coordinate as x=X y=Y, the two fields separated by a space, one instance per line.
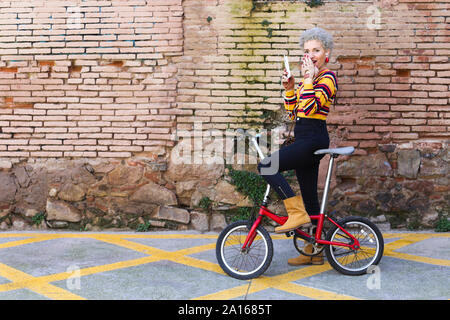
x=182 y=265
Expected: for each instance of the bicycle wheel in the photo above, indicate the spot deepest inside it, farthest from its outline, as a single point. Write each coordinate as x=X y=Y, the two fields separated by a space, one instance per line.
x=243 y=264
x=355 y=262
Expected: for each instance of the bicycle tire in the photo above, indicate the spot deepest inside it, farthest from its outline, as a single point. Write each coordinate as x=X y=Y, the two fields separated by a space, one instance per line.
x=354 y=266
x=239 y=259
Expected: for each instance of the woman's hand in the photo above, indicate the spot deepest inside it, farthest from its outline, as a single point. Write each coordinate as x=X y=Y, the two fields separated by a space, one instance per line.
x=309 y=70
x=288 y=84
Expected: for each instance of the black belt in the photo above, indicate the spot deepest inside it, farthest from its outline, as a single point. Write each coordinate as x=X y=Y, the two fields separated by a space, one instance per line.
x=309 y=120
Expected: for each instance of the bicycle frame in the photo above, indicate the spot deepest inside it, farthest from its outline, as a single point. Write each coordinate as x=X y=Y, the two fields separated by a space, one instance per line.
x=263 y=211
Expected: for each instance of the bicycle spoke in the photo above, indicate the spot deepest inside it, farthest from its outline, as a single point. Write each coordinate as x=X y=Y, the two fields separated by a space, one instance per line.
x=240 y=260
x=354 y=260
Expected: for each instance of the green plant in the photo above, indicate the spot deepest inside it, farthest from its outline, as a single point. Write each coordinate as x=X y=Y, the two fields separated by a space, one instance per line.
x=248 y=183
x=38 y=218
x=241 y=213
x=143 y=227
x=205 y=203
x=313 y=3
x=265 y=23
x=442 y=225
x=413 y=224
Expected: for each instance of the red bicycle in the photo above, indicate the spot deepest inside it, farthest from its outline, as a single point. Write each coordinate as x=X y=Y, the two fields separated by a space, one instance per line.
x=244 y=249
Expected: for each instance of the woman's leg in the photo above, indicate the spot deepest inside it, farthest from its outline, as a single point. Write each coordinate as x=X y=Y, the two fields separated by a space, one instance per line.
x=287 y=158
x=298 y=153
x=307 y=179
x=275 y=180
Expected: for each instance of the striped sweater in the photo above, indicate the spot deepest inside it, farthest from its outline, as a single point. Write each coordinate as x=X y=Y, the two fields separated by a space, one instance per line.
x=312 y=100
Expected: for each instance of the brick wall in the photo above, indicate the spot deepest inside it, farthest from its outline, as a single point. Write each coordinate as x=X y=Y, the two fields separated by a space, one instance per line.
x=392 y=71
x=88 y=78
x=111 y=79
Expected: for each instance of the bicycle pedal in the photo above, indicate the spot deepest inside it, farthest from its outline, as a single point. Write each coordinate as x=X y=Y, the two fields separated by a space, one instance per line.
x=290 y=233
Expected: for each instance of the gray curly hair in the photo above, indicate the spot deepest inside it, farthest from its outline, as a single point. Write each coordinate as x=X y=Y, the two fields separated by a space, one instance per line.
x=320 y=34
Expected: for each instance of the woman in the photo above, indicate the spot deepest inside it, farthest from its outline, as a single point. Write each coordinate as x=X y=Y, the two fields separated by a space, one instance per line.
x=308 y=105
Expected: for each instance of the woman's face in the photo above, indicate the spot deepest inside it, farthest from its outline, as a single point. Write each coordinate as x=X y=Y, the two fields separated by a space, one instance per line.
x=315 y=50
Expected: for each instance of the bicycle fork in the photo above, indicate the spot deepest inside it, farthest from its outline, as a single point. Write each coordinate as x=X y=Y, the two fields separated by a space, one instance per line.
x=252 y=233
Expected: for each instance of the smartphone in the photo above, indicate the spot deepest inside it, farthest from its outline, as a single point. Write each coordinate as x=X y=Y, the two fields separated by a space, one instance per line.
x=286 y=66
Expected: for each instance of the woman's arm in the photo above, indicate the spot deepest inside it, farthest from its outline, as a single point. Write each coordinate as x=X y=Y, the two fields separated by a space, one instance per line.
x=290 y=97
x=291 y=102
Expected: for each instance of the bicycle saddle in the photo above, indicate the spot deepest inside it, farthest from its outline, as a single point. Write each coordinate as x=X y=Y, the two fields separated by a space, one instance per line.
x=345 y=151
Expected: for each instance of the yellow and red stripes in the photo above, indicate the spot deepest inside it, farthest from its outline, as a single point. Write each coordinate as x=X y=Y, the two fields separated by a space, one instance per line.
x=312 y=100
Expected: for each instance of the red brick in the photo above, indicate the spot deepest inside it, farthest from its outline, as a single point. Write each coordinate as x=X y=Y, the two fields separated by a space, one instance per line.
x=364 y=136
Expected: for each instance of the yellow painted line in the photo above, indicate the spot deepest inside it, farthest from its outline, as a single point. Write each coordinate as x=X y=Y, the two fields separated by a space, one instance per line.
x=196 y=263
x=279 y=237
x=180 y=236
x=31 y=282
x=19 y=235
x=35 y=284
x=25 y=282
x=234 y=292
x=302 y=273
x=277 y=282
x=429 y=234
x=102 y=268
x=281 y=282
x=152 y=250
x=176 y=256
x=201 y=248
x=169 y=236
x=16 y=243
x=406 y=240
x=225 y=294
x=392 y=235
x=441 y=235
x=127 y=244
x=39 y=235
x=409 y=239
x=410 y=257
x=313 y=293
x=118 y=235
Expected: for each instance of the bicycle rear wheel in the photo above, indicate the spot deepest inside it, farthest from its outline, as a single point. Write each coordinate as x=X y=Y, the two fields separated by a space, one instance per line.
x=248 y=263
x=355 y=262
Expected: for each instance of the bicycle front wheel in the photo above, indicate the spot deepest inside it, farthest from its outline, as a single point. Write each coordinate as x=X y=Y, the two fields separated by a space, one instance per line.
x=248 y=263
x=355 y=262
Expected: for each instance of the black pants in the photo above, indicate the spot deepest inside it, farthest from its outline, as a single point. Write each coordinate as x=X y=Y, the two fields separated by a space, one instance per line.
x=310 y=135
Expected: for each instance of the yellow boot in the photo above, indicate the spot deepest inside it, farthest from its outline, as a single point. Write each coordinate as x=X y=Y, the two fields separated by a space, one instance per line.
x=297 y=215
x=302 y=260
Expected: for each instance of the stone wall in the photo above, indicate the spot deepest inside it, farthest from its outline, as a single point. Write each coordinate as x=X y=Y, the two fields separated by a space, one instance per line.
x=95 y=97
